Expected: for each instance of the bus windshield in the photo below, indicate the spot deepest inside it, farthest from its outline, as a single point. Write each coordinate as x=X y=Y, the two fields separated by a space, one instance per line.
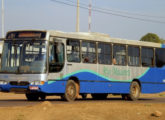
x=24 y=56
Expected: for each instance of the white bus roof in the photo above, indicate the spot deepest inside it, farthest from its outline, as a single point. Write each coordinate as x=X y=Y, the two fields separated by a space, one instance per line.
x=100 y=37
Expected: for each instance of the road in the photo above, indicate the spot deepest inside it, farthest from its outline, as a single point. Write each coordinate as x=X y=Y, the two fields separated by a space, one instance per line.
x=11 y=100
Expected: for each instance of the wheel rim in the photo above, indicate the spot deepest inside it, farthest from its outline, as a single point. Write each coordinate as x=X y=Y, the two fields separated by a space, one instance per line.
x=71 y=91
x=135 y=90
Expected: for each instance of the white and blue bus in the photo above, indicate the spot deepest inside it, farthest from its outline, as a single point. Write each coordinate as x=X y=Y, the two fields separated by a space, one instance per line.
x=39 y=63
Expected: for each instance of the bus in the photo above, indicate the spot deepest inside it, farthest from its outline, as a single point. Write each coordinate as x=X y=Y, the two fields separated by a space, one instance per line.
x=40 y=63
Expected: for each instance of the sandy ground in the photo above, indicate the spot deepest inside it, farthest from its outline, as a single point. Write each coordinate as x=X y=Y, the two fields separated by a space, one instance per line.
x=83 y=110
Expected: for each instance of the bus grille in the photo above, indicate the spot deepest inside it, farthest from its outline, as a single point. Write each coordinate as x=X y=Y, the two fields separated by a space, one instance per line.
x=21 y=83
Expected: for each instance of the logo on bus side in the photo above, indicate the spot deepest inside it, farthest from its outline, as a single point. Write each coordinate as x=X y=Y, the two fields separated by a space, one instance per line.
x=109 y=71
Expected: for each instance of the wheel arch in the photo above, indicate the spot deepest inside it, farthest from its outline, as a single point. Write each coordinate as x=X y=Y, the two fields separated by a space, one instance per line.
x=75 y=79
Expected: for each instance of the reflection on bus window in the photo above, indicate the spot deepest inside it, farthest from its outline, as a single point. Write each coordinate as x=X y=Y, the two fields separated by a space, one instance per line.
x=88 y=52
x=133 y=56
x=56 y=57
x=73 y=51
x=147 y=56
x=104 y=53
x=119 y=54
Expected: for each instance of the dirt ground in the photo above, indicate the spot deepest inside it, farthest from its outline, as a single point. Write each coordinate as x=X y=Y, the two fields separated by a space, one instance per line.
x=84 y=110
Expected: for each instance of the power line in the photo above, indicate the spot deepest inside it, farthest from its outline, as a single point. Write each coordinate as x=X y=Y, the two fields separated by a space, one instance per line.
x=119 y=11
x=110 y=13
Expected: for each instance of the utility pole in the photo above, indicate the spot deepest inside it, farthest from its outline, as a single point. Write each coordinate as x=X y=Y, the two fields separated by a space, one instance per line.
x=77 y=24
x=90 y=16
x=3 y=31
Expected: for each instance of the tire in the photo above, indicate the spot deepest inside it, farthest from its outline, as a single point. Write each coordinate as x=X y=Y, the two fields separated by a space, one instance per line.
x=42 y=97
x=99 y=96
x=134 y=91
x=71 y=91
x=32 y=97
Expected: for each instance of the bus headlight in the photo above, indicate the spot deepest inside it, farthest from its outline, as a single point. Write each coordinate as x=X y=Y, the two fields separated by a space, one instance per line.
x=37 y=83
x=2 y=82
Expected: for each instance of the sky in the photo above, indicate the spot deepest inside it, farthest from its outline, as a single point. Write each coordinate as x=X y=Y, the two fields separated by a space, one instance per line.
x=49 y=15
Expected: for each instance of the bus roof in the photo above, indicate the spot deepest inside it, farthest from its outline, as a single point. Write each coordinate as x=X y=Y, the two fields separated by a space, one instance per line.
x=100 y=37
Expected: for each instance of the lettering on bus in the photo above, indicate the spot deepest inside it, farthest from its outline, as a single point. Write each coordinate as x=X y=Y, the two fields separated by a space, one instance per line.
x=109 y=71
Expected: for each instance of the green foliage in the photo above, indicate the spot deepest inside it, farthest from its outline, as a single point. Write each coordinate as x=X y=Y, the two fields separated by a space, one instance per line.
x=151 y=37
x=162 y=40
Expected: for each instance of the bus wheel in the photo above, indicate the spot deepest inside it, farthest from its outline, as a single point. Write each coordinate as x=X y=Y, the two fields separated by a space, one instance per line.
x=42 y=97
x=99 y=96
x=134 y=91
x=32 y=97
x=72 y=91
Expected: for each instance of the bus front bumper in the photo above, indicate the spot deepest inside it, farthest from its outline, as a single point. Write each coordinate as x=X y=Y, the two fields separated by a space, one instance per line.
x=19 y=89
x=47 y=87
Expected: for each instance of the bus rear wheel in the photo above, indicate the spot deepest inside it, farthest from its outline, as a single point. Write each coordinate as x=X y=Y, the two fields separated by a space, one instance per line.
x=99 y=96
x=72 y=91
x=134 y=91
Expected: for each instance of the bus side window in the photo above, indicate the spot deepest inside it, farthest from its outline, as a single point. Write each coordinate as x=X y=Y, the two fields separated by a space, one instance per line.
x=133 y=56
x=104 y=53
x=147 y=57
x=73 y=50
x=160 y=57
x=119 y=54
x=88 y=52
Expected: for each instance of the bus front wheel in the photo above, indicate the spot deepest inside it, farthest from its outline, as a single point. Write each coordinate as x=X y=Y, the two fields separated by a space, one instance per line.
x=71 y=91
x=134 y=91
x=32 y=97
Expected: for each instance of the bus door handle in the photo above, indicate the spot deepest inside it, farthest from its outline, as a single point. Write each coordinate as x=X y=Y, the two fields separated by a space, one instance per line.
x=69 y=64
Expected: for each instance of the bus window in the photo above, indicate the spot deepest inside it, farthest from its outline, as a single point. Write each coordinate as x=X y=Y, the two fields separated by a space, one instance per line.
x=24 y=56
x=73 y=50
x=56 y=57
x=147 y=56
x=104 y=53
x=119 y=54
x=88 y=52
x=160 y=57
x=133 y=56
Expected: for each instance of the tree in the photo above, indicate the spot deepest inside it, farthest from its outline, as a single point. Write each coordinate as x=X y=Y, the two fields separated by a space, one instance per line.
x=162 y=40
x=151 y=37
